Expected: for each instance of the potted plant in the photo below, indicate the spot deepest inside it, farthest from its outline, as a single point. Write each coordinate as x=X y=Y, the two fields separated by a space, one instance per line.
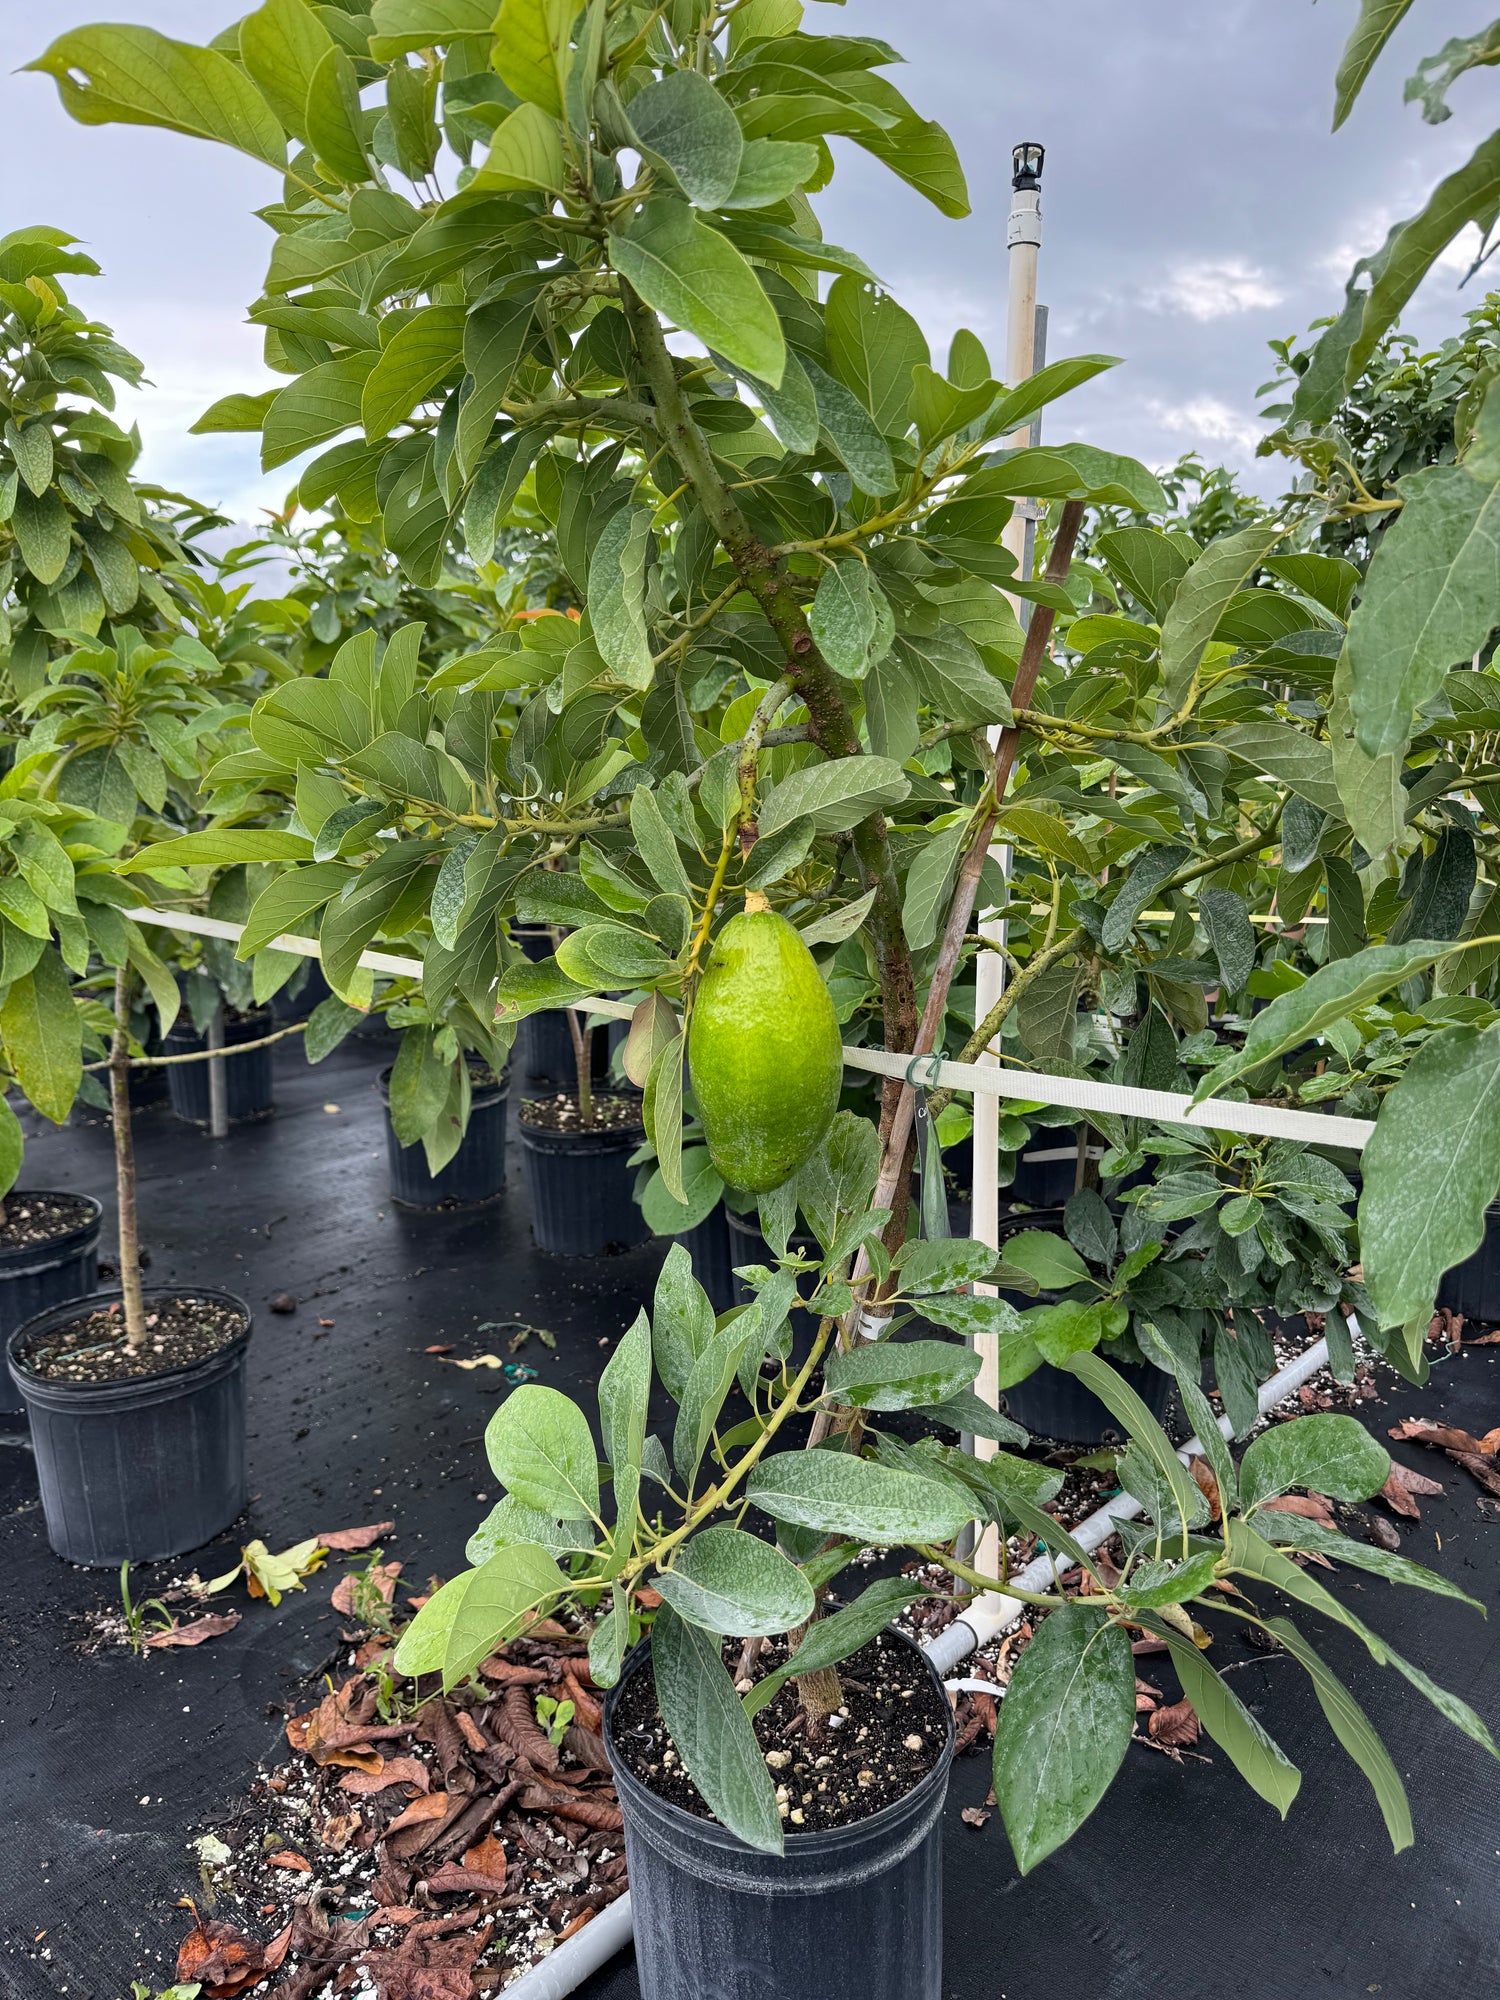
x=136 y=1398
x=449 y=1090
x=794 y=529
x=782 y=1764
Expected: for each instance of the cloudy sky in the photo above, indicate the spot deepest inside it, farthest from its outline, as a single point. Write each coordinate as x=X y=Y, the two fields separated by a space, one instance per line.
x=1196 y=202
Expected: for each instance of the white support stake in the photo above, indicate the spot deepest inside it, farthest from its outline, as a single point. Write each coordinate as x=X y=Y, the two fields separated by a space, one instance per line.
x=1024 y=242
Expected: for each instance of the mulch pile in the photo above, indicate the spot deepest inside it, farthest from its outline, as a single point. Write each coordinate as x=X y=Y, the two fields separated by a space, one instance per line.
x=436 y=1854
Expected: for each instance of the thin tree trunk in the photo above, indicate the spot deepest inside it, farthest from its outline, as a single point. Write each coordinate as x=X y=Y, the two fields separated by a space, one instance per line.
x=119 y=1097
x=218 y=1082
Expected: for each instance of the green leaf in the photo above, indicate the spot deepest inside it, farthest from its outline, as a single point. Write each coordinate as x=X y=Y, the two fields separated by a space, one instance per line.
x=526 y=152
x=696 y=277
x=334 y=119
x=1123 y=1403
x=525 y=988
x=1313 y=1536
x=929 y=883
x=848 y=1496
x=1064 y=1727
x=1260 y=1761
x=708 y=1383
x=657 y=845
x=682 y=1322
x=503 y=1594
x=770 y=170
x=539 y=1447
x=321 y=402
x=287 y=902
x=1056 y=379
x=900 y=1375
x=624 y=1393
x=951 y=675
x=12 y=1146
x=1202 y=598
x=1430 y=1168
x=1427 y=601
x=424 y=1644
x=238 y=412
x=833 y=1638
x=1378 y=21
x=1354 y=1730
x=219 y=847
x=530 y=49
x=873 y=346
x=1408 y=254
x=1046 y=1256
x=733 y=1583
x=1331 y=994
x=111 y=75
x=970 y=1414
x=428 y=347
x=617 y=594
x=682 y=121
x=1294 y=759
x=835 y=796
x=1152 y=1584
x=42 y=1033
x=31 y=448
x=791 y=408
x=711 y=1731
x=842 y=616
x=401 y=27
x=852 y=432
x=508 y=1524
x=662 y=1110
x=1330 y=1454
x=418 y=1087
x=44 y=529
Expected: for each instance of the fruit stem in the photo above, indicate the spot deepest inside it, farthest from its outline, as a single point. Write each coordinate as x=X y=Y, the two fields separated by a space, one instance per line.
x=755 y=902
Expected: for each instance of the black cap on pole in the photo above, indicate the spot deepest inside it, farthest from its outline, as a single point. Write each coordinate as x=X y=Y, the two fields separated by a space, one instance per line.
x=1026 y=164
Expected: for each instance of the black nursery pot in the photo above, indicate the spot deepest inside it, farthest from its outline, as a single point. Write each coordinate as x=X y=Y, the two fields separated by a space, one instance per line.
x=582 y=1201
x=1051 y=1402
x=847 y=1913
x=1473 y=1287
x=475 y=1174
x=38 y=1275
x=544 y=1053
x=138 y=1471
x=247 y=1078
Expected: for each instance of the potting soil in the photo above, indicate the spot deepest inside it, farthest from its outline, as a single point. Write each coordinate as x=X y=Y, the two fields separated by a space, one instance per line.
x=1181 y=1883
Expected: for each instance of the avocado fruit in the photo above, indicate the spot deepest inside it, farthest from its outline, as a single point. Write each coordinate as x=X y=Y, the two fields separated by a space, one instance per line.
x=764 y=1051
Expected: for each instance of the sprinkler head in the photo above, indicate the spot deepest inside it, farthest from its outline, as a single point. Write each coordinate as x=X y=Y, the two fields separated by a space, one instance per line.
x=1026 y=164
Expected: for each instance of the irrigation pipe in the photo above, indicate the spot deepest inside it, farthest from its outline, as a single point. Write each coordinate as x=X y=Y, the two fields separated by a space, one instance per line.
x=990 y=1614
x=1267 y=1121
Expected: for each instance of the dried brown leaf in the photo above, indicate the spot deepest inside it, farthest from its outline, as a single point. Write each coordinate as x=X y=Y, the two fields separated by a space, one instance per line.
x=213 y=1626
x=1311 y=1506
x=436 y=1805
x=288 y=1857
x=397 y=1771
x=1421 y=1430
x=348 y=1540
x=1208 y=1486
x=1481 y=1466
x=1175 y=1727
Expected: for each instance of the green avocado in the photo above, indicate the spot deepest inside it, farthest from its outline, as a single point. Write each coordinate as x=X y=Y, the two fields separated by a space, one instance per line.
x=764 y=1051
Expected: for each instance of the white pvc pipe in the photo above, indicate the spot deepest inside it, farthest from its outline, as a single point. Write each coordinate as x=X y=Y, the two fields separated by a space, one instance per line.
x=991 y=1614
x=567 y=1966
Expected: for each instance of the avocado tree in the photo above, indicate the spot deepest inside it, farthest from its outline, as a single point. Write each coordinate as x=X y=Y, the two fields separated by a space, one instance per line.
x=781 y=522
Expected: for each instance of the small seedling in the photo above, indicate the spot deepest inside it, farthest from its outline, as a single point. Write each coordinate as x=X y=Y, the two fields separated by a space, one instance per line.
x=150 y=1616
x=372 y=1606
x=554 y=1717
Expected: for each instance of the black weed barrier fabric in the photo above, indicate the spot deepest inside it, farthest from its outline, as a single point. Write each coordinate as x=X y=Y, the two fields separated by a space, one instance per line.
x=1182 y=1884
